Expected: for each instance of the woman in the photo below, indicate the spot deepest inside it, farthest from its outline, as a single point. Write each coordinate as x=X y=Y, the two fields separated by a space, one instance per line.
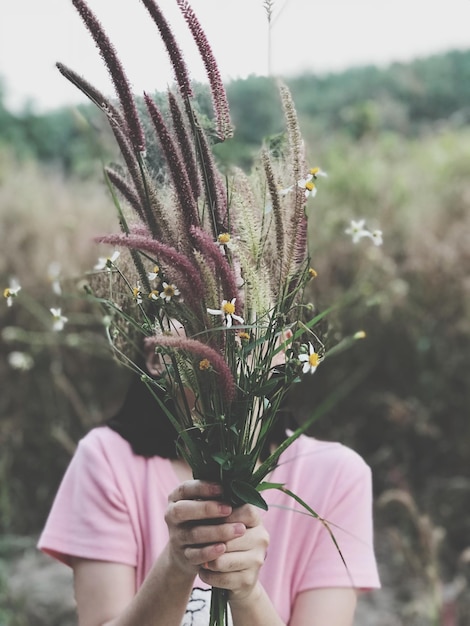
x=146 y=541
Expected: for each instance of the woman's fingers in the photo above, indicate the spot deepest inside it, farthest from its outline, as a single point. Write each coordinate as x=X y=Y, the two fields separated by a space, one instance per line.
x=238 y=566
x=226 y=545
x=210 y=533
x=246 y=514
x=185 y=511
x=195 y=490
x=203 y=555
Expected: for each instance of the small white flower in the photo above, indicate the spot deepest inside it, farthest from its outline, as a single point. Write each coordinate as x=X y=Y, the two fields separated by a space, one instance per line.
x=107 y=262
x=154 y=275
x=53 y=274
x=357 y=230
x=59 y=320
x=307 y=184
x=377 y=238
x=20 y=361
x=225 y=240
x=137 y=294
x=310 y=360
x=227 y=310
x=316 y=172
x=169 y=291
x=11 y=292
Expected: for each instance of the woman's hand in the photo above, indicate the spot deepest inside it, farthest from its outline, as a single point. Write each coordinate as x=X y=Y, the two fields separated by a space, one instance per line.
x=237 y=568
x=194 y=518
x=225 y=546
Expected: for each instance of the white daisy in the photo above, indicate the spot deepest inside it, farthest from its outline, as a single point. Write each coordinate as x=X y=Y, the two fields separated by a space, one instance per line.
x=308 y=185
x=357 y=230
x=154 y=274
x=227 y=310
x=316 y=172
x=225 y=240
x=11 y=292
x=377 y=238
x=59 y=320
x=137 y=294
x=53 y=274
x=20 y=361
x=107 y=262
x=169 y=291
x=310 y=360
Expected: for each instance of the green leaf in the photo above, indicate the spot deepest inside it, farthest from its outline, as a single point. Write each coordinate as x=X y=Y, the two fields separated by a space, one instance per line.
x=248 y=494
x=223 y=459
x=265 y=485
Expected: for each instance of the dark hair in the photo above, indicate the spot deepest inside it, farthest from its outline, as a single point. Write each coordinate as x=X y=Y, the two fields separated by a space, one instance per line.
x=143 y=423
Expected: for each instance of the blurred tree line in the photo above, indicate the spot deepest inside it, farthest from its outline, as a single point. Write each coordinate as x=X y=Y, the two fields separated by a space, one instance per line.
x=404 y=98
x=396 y=145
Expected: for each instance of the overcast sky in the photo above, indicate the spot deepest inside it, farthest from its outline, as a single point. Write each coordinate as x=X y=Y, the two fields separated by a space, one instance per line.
x=313 y=35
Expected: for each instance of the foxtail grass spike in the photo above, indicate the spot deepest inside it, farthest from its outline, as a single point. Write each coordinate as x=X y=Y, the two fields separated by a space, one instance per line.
x=137 y=175
x=92 y=93
x=202 y=351
x=297 y=163
x=278 y=214
x=126 y=191
x=224 y=129
x=185 y=145
x=176 y=165
x=116 y=72
x=211 y=250
x=165 y=254
x=214 y=188
x=174 y=52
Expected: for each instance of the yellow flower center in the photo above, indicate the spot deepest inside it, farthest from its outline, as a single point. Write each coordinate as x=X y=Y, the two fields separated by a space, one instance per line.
x=309 y=185
x=169 y=291
x=154 y=294
x=204 y=364
x=223 y=238
x=312 y=273
x=243 y=335
x=6 y=292
x=314 y=171
x=228 y=308
x=156 y=269
x=313 y=360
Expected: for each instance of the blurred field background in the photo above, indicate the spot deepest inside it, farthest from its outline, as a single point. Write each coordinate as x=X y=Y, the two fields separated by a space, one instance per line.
x=396 y=145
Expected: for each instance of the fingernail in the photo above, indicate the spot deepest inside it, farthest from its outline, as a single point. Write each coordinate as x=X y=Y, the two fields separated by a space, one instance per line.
x=225 y=509
x=216 y=489
x=239 y=529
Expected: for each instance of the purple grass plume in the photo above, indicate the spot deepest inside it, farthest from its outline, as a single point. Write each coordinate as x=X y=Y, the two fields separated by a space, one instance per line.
x=224 y=129
x=167 y=255
x=185 y=144
x=211 y=251
x=202 y=351
x=174 y=52
x=116 y=72
x=176 y=165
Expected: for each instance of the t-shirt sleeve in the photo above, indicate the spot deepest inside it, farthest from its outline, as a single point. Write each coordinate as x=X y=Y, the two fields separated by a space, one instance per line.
x=343 y=555
x=89 y=517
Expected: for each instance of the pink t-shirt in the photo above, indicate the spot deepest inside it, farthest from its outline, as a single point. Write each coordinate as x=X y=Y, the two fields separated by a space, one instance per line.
x=110 y=506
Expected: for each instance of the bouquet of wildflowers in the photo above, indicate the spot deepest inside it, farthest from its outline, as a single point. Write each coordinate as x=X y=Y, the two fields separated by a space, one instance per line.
x=223 y=256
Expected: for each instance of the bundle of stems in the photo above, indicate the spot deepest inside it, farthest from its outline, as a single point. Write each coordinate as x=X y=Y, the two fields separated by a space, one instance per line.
x=221 y=256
